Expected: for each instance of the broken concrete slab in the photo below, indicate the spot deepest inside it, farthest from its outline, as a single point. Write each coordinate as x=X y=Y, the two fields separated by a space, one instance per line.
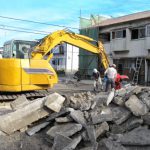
x=101 y=118
x=139 y=136
x=131 y=123
x=78 y=116
x=121 y=92
x=137 y=107
x=146 y=118
x=118 y=100
x=101 y=129
x=33 y=130
x=107 y=144
x=21 y=101
x=91 y=134
x=67 y=129
x=23 y=116
x=72 y=145
x=87 y=148
x=105 y=115
x=120 y=114
x=61 y=141
x=131 y=147
x=54 y=102
x=129 y=92
x=100 y=99
x=145 y=99
x=63 y=119
x=73 y=99
x=137 y=90
x=110 y=97
x=55 y=115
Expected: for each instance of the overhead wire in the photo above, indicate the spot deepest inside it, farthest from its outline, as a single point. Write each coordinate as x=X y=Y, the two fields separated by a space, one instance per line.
x=37 y=22
x=39 y=31
x=23 y=31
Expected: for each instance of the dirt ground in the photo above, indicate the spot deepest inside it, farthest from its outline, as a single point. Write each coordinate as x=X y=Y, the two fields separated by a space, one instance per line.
x=40 y=141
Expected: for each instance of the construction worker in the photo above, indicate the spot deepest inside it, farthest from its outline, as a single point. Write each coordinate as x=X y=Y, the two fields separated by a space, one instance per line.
x=97 y=79
x=111 y=74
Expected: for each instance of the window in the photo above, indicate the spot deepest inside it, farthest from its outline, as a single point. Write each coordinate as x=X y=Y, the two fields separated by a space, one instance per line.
x=119 y=34
x=61 y=49
x=148 y=30
x=113 y=35
x=105 y=37
x=138 y=33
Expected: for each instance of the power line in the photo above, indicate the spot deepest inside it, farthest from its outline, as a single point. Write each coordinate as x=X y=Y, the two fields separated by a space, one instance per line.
x=37 y=22
x=24 y=29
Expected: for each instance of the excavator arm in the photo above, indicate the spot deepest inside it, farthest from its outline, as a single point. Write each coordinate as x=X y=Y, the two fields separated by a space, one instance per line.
x=81 y=41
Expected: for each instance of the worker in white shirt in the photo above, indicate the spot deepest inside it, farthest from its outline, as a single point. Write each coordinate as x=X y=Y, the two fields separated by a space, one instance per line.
x=111 y=74
x=97 y=79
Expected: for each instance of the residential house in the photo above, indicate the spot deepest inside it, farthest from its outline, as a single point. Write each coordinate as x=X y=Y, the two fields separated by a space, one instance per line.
x=127 y=43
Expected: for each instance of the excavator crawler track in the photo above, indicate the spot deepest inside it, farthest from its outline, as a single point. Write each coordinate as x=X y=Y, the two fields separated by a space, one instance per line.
x=29 y=95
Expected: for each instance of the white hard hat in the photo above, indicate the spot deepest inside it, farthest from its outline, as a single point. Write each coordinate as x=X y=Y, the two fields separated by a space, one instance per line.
x=114 y=65
x=95 y=70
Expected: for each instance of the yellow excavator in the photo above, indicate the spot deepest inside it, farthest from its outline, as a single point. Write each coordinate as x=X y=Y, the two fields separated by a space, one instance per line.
x=28 y=71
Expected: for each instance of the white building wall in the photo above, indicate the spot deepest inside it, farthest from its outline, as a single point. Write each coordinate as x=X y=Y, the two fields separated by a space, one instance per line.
x=69 y=61
x=72 y=60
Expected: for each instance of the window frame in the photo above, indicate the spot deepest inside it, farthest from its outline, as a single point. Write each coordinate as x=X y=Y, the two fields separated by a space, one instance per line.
x=123 y=35
x=138 y=30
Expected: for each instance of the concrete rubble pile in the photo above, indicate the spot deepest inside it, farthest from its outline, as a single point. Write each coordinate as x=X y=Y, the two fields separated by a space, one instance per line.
x=83 y=121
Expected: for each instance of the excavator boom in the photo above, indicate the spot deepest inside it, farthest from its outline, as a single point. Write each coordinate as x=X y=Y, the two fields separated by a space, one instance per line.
x=81 y=41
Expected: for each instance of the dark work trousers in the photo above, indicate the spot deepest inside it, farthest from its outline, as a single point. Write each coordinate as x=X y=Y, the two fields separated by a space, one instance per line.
x=109 y=82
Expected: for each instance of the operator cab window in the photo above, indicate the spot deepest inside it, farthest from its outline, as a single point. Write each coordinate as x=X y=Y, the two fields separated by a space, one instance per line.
x=18 y=49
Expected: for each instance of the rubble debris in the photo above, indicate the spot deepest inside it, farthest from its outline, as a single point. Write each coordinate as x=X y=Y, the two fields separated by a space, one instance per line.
x=21 y=101
x=37 y=128
x=107 y=144
x=110 y=97
x=66 y=129
x=54 y=102
x=131 y=123
x=101 y=129
x=105 y=115
x=136 y=106
x=61 y=141
x=72 y=145
x=137 y=137
x=91 y=134
x=120 y=114
x=78 y=116
x=81 y=101
x=145 y=98
x=146 y=118
x=118 y=100
x=55 y=115
x=63 y=119
x=86 y=122
x=23 y=116
x=100 y=99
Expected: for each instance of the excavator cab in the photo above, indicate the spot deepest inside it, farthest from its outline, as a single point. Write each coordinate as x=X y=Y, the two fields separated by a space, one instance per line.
x=18 y=49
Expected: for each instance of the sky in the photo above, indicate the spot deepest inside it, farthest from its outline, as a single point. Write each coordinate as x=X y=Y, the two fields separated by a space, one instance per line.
x=57 y=15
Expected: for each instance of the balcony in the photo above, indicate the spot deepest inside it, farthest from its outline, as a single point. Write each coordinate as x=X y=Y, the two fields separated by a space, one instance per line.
x=119 y=45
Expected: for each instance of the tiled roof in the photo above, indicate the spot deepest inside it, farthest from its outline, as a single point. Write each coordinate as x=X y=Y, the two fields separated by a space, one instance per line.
x=127 y=18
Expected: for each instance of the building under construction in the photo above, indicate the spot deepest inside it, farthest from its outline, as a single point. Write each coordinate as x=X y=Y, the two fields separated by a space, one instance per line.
x=127 y=43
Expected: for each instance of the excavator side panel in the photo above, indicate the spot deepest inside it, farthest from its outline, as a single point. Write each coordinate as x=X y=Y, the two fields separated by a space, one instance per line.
x=26 y=75
x=10 y=75
x=42 y=75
